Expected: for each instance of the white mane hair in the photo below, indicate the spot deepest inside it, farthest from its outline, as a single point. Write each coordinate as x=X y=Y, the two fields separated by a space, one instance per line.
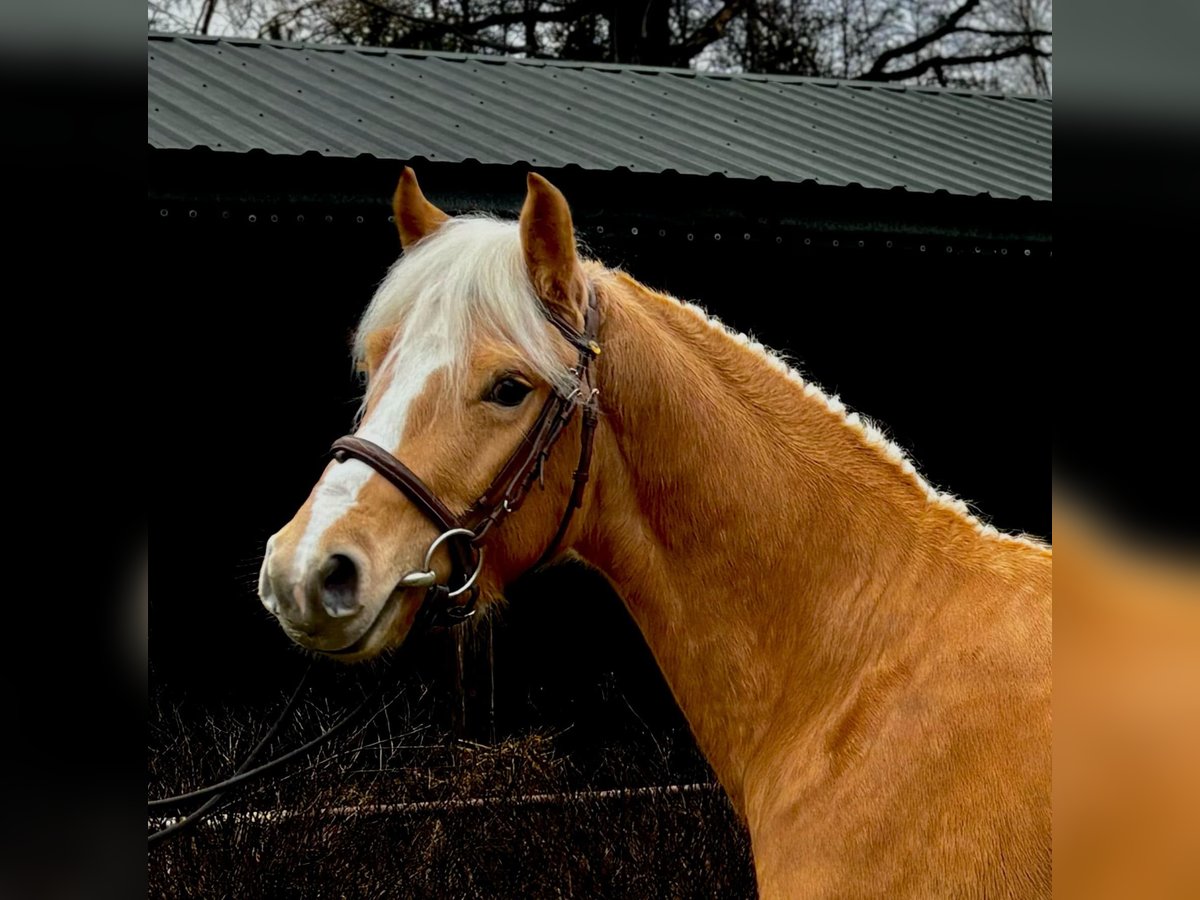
x=871 y=433
x=466 y=279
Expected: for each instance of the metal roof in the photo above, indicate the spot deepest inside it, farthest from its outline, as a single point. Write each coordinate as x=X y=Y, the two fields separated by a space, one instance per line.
x=236 y=95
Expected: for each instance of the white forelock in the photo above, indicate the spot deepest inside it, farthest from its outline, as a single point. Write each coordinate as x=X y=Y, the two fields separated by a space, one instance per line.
x=467 y=279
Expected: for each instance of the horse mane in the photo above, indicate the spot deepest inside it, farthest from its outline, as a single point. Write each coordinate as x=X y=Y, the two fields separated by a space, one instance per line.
x=467 y=279
x=872 y=434
x=470 y=278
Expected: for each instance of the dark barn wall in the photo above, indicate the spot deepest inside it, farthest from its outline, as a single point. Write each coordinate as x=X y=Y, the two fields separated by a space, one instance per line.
x=927 y=327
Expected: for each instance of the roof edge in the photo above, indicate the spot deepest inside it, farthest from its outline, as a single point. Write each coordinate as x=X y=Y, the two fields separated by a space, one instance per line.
x=500 y=60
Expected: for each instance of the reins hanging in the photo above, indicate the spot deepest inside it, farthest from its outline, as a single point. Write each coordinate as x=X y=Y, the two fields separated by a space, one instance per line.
x=244 y=774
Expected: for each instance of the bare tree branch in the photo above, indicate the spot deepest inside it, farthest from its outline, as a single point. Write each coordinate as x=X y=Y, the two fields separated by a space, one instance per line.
x=494 y=20
x=712 y=30
x=174 y=18
x=949 y=24
x=883 y=40
x=1031 y=33
x=206 y=14
x=940 y=62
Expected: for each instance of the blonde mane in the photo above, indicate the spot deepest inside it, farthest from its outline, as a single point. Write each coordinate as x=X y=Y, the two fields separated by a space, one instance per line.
x=470 y=277
x=870 y=433
x=467 y=279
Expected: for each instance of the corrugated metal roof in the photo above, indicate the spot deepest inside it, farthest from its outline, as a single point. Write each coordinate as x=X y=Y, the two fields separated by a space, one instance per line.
x=238 y=95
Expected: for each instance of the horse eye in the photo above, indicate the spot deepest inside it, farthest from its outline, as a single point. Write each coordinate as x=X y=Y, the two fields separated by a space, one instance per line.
x=509 y=392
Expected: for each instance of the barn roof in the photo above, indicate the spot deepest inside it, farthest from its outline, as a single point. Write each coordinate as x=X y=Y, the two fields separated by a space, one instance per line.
x=237 y=95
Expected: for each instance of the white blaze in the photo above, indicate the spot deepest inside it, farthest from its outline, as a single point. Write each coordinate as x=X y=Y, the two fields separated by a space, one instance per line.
x=470 y=277
x=337 y=492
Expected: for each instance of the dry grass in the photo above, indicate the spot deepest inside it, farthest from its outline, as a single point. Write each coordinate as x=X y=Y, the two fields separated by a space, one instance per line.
x=395 y=807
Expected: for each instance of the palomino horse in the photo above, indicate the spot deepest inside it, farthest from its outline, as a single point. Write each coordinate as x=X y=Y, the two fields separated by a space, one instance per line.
x=866 y=665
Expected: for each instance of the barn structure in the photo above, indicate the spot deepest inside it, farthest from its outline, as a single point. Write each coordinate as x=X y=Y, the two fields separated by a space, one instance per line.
x=894 y=241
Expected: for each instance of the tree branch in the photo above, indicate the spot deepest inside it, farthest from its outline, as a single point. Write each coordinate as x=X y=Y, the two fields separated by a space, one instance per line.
x=938 y=62
x=206 y=14
x=711 y=31
x=1031 y=33
x=920 y=43
x=431 y=26
x=181 y=23
x=273 y=27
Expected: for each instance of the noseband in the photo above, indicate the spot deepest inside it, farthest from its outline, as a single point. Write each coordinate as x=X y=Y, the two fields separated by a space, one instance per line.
x=463 y=535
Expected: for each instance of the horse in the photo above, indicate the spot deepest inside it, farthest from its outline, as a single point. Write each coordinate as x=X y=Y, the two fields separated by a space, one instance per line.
x=865 y=663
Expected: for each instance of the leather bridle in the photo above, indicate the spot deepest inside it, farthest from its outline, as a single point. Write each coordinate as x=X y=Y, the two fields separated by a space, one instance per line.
x=464 y=534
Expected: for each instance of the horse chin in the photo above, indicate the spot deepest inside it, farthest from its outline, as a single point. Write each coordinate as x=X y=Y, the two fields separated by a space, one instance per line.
x=389 y=628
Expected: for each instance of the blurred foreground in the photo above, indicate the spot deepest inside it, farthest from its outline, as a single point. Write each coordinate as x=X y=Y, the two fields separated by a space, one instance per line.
x=1127 y=712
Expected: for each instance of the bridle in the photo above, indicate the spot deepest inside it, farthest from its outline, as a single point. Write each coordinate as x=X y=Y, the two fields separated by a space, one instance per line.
x=464 y=534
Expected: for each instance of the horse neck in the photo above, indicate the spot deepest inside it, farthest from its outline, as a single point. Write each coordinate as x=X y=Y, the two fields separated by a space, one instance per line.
x=756 y=536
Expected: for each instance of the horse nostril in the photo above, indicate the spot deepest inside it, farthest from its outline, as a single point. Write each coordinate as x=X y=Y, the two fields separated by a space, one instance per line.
x=339 y=586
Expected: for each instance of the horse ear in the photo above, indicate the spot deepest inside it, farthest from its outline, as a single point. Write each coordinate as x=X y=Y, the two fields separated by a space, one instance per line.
x=415 y=216
x=548 y=239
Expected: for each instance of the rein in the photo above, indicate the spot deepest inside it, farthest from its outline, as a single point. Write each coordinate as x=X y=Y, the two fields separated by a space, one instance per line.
x=244 y=774
x=464 y=534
